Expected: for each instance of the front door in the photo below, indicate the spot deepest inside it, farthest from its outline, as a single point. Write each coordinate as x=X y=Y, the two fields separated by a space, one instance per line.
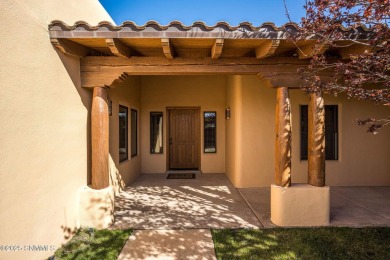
x=184 y=138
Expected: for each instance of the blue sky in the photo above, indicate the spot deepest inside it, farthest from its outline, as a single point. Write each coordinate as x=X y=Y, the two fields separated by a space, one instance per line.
x=208 y=11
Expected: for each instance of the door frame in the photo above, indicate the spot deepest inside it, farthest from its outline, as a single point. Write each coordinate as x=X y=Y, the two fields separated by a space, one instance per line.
x=168 y=132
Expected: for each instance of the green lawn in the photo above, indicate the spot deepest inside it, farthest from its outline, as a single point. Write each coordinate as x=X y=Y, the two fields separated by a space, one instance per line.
x=303 y=243
x=94 y=244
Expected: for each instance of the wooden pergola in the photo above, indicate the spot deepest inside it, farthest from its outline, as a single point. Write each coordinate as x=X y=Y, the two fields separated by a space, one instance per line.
x=109 y=54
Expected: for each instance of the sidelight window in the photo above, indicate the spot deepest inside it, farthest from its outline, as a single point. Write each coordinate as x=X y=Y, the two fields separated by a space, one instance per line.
x=123 y=134
x=210 y=132
x=156 y=132
x=134 y=133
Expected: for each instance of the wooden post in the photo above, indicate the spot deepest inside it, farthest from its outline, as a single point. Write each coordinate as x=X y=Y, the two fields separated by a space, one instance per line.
x=99 y=134
x=316 y=146
x=283 y=138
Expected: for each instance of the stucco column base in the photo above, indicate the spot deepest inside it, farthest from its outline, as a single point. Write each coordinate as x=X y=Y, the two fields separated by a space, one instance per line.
x=96 y=207
x=300 y=205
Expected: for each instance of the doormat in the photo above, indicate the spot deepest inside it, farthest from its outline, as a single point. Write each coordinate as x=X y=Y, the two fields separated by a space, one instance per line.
x=181 y=176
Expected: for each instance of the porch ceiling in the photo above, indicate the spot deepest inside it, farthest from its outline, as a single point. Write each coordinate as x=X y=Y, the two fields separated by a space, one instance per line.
x=195 y=49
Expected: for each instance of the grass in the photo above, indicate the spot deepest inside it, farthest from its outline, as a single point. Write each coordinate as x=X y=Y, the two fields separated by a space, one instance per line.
x=94 y=244
x=303 y=243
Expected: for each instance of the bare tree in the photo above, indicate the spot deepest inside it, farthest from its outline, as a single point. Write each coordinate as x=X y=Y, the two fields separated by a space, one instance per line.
x=363 y=74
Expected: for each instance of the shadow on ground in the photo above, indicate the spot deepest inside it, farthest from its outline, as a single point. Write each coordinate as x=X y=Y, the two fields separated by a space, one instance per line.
x=349 y=206
x=210 y=201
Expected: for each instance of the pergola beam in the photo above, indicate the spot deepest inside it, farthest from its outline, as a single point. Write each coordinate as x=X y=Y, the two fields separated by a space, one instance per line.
x=118 y=48
x=97 y=75
x=216 y=49
x=309 y=50
x=70 y=48
x=267 y=49
x=355 y=49
x=107 y=76
x=168 y=49
x=102 y=71
x=137 y=60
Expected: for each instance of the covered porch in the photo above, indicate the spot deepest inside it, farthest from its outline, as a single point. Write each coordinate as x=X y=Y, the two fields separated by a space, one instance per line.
x=131 y=67
x=111 y=56
x=212 y=202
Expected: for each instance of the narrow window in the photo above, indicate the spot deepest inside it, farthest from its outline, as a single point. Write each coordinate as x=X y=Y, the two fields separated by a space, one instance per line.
x=134 y=139
x=156 y=132
x=304 y=132
x=123 y=134
x=210 y=132
x=331 y=132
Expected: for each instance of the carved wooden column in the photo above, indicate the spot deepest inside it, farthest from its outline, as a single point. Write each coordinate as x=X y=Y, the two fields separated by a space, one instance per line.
x=316 y=146
x=99 y=134
x=283 y=138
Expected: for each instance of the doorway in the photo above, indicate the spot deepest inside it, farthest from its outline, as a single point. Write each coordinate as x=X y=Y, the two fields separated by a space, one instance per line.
x=183 y=138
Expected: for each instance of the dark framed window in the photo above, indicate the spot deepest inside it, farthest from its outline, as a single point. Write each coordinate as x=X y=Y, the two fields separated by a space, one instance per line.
x=210 y=132
x=331 y=132
x=134 y=134
x=156 y=132
x=123 y=133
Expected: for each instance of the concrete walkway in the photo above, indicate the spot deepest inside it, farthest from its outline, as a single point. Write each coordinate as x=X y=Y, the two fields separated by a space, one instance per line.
x=349 y=206
x=172 y=219
x=209 y=201
x=169 y=244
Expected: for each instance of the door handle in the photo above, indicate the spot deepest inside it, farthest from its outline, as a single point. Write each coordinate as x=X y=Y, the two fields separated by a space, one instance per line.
x=170 y=140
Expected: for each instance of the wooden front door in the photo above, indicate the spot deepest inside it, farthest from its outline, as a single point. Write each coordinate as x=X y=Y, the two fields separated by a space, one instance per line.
x=184 y=138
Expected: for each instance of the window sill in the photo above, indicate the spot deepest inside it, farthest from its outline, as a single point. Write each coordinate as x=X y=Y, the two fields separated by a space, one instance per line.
x=124 y=161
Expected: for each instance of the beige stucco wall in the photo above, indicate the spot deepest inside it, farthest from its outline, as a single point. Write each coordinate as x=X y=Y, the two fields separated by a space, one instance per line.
x=364 y=158
x=249 y=132
x=43 y=134
x=160 y=92
x=128 y=94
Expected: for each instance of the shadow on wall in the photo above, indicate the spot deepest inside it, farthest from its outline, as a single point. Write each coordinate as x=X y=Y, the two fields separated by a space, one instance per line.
x=116 y=179
x=72 y=66
x=68 y=231
x=96 y=210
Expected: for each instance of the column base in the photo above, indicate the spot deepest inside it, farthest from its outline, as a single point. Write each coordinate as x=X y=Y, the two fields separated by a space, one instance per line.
x=300 y=205
x=96 y=207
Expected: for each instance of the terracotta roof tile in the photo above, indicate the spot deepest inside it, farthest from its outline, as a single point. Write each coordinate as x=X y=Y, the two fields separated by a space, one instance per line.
x=177 y=24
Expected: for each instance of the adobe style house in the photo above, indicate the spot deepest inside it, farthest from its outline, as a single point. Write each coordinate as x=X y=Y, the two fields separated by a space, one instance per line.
x=91 y=103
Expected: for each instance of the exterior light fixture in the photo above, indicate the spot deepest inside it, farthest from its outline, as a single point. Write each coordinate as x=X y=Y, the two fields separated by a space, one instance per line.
x=109 y=104
x=227 y=113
